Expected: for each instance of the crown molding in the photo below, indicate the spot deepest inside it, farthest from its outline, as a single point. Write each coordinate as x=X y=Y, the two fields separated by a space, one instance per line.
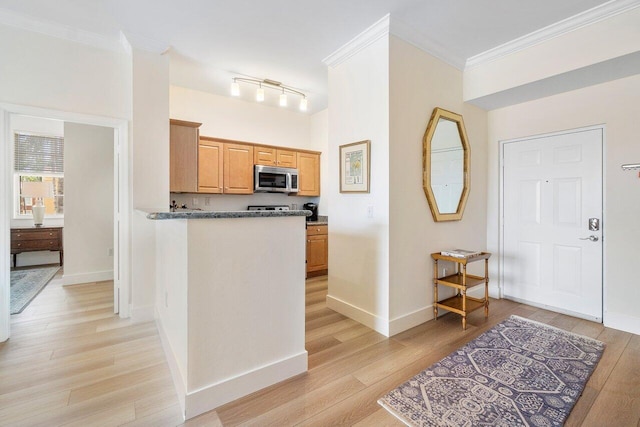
x=583 y=19
x=369 y=36
x=433 y=48
x=126 y=41
x=60 y=31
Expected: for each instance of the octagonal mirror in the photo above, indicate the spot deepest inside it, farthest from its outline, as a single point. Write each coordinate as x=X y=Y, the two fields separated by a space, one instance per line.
x=445 y=165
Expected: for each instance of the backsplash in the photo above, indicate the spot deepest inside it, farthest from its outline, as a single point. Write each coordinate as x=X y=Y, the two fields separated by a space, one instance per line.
x=228 y=202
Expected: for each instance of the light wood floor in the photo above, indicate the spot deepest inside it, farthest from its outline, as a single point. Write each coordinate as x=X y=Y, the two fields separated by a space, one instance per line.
x=70 y=361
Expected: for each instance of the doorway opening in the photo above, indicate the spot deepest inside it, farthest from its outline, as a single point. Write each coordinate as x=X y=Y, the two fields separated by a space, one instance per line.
x=117 y=247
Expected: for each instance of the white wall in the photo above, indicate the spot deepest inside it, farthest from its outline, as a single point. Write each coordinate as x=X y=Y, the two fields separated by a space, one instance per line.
x=88 y=203
x=319 y=137
x=359 y=245
x=614 y=104
x=220 y=349
x=606 y=40
x=149 y=170
x=61 y=75
x=418 y=83
x=86 y=80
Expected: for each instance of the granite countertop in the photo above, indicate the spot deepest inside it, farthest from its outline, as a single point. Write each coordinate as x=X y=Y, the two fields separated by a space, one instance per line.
x=199 y=214
x=322 y=220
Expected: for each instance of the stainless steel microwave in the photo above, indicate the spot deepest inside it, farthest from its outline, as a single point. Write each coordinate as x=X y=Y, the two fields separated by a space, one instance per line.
x=268 y=179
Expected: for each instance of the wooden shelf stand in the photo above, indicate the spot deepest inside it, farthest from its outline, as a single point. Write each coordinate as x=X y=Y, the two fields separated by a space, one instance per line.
x=461 y=282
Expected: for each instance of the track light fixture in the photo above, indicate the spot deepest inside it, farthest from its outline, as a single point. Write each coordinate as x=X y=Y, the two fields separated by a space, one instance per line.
x=271 y=84
x=631 y=166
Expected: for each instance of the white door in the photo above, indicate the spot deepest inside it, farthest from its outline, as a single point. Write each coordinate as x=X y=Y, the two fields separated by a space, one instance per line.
x=552 y=194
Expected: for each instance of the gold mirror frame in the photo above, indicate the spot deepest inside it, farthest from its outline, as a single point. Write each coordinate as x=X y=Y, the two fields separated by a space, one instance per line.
x=439 y=113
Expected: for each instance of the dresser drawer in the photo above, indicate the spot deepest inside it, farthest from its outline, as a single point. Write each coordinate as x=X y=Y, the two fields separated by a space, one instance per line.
x=22 y=235
x=35 y=245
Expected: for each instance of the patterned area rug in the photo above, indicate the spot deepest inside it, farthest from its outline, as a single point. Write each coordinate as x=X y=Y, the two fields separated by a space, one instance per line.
x=26 y=284
x=519 y=373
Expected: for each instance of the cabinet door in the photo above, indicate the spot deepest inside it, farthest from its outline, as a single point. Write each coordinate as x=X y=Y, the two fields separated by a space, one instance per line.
x=238 y=169
x=309 y=174
x=183 y=157
x=317 y=253
x=210 y=165
x=264 y=156
x=287 y=158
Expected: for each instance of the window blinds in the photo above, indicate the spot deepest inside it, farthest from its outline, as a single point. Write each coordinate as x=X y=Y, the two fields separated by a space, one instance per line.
x=39 y=154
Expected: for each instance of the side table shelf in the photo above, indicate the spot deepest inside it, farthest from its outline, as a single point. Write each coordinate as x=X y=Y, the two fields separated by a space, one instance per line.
x=461 y=281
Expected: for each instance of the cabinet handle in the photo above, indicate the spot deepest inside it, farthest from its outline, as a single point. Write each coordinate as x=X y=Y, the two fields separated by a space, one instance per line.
x=19 y=244
x=18 y=235
x=50 y=234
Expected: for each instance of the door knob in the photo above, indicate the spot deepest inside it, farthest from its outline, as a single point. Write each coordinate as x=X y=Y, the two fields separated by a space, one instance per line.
x=592 y=238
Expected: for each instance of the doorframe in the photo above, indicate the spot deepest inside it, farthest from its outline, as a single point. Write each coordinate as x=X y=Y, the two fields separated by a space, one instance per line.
x=501 y=260
x=122 y=285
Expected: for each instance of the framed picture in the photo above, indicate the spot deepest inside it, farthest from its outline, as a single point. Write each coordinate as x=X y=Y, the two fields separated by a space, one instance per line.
x=355 y=168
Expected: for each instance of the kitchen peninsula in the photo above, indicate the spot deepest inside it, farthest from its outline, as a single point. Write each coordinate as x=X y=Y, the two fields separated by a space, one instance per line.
x=230 y=301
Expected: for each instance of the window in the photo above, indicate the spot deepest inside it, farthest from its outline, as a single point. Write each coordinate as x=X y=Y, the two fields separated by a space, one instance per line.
x=39 y=158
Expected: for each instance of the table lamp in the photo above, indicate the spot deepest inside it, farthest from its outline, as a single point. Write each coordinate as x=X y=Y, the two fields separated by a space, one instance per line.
x=38 y=190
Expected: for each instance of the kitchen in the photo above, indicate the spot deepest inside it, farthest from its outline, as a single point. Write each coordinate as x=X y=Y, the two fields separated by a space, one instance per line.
x=237 y=241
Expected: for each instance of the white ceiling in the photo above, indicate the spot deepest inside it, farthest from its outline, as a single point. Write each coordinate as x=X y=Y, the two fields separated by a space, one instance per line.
x=286 y=40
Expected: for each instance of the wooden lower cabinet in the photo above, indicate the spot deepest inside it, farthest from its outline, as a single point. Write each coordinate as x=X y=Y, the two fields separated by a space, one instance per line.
x=317 y=250
x=238 y=168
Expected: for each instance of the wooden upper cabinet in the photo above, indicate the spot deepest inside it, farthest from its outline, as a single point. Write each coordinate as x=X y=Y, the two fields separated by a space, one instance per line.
x=238 y=168
x=210 y=166
x=264 y=156
x=183 y=156
x=271 y=156
x=287 y=158
x=308 y=174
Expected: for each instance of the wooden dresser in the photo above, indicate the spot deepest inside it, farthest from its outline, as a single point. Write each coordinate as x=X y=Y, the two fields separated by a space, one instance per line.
x=36 y=239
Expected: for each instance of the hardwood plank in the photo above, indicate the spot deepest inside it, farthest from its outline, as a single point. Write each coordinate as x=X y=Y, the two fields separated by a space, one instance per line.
x=70 y=361
x=321 y=344
x=13 y=413
x=380 y=418
x=169 y=416
x=345 y=348
x=618 y=403
x=616 y=342
x=300 y=408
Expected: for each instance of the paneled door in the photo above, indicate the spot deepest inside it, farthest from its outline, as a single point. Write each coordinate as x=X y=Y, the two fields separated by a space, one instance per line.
x=552 y=201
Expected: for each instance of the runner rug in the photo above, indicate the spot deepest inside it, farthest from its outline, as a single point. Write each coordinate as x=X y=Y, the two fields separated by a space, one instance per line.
x=26 y=284
x=518 y=373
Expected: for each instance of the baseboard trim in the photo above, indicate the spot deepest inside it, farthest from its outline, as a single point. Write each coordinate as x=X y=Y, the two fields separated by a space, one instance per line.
x=409 y=320
x=215 y=395
x=178 y=380
x=368 y=319
x=622 y=322
x=96 y=276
